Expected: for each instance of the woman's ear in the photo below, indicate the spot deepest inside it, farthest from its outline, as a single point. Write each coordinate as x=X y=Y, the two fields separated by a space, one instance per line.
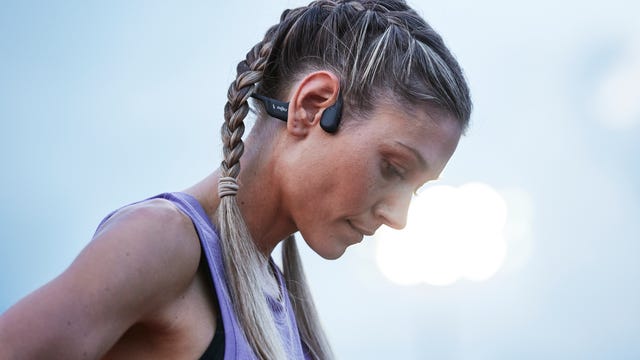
x=311 y=97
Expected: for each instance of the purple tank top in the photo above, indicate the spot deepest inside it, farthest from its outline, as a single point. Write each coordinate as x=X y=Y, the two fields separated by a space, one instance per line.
x=236 y=345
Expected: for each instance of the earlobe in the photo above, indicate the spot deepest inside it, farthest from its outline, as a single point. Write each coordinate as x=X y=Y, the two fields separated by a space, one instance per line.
x=298 y=122
x=315 y=100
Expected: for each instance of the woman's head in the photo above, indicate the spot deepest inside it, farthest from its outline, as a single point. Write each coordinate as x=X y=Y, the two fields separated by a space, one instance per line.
x=380 y=54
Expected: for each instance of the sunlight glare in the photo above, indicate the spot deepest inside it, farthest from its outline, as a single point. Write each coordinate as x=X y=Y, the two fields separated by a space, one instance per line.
x=451 y=233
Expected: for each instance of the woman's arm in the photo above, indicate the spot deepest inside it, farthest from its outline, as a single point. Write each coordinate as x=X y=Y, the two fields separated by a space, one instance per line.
x=141 y=259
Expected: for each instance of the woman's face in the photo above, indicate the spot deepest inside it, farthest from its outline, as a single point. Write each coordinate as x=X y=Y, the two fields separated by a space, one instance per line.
x=343 y=186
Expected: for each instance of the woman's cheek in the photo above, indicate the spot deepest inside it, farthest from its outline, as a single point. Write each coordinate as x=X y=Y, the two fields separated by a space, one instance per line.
x=366 y=189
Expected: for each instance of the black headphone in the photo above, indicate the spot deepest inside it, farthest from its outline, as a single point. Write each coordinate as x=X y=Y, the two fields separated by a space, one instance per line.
x=329 y=121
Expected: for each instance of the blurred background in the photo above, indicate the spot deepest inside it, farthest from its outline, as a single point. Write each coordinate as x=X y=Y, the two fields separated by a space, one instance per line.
x=106 y=103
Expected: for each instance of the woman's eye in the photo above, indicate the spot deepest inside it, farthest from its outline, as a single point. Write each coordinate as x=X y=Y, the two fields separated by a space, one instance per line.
x=390 y=170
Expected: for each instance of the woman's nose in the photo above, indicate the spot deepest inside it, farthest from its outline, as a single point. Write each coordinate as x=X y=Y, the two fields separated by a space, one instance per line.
x=393 y=209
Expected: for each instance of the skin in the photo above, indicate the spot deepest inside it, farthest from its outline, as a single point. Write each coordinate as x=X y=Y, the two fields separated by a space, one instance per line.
x=334 y=189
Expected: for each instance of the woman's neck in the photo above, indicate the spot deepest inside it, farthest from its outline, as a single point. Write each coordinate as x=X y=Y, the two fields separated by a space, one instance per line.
x=259 y=198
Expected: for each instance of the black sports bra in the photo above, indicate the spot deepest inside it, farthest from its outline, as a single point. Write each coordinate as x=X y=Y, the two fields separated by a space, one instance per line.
x=215 y=351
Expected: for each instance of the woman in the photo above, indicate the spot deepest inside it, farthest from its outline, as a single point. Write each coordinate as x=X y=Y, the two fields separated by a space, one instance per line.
x=358 y=104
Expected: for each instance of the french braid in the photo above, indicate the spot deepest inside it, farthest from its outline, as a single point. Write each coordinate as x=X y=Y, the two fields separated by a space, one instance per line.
x=246 y=267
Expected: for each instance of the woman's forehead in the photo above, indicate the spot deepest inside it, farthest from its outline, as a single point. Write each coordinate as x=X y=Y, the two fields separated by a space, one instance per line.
x=423 y=116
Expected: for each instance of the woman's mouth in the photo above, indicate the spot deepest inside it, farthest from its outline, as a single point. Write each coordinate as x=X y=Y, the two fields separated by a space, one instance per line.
x=360 y=230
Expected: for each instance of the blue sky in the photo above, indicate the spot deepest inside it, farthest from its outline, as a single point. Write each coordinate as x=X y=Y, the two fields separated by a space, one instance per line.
x=102 y=105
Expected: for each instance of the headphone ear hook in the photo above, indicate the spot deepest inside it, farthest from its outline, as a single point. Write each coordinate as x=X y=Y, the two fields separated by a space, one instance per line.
x=277 y=109
x=331 y=117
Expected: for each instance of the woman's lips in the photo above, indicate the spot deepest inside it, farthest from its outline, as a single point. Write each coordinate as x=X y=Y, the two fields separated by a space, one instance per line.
x=361 y=230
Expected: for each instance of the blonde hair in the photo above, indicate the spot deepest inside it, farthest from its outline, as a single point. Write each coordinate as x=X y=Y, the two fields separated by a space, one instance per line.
x=374 y=47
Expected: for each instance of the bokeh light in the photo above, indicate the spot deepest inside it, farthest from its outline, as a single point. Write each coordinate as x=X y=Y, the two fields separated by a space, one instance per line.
x=452 y=233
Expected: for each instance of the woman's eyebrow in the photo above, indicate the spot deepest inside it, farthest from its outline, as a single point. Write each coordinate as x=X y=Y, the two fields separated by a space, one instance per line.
x=418 y=156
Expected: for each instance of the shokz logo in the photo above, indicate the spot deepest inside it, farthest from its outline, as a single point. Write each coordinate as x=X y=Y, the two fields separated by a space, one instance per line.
x=279 y=108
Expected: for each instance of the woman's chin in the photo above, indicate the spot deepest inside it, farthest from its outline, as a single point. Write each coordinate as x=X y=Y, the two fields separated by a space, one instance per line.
x=330 y=253
x=330 y=246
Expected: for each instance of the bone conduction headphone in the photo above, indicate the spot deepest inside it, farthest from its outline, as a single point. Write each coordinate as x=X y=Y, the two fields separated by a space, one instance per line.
x=329 y=121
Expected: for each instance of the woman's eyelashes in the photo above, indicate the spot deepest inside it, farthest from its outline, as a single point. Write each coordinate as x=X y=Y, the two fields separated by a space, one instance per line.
x=390 y=170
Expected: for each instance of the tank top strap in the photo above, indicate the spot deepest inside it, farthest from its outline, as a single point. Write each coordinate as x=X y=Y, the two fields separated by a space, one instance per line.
x=282 y=309
x=236 y=345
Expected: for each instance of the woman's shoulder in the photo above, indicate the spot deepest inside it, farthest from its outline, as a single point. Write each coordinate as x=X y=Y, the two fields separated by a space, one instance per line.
x=153 y=211
x=151 y=244
x=157 y=227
